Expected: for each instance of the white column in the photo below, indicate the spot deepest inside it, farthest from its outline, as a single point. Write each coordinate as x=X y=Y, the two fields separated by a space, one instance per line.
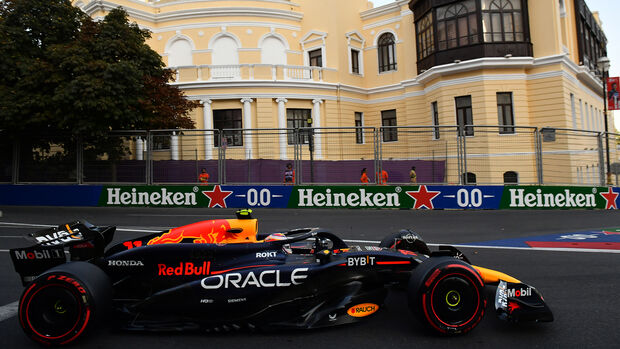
x=174 y=146
x=207 y=119
x=282 y=125
x=316 y=122
x=247 y=125
x=139 y=149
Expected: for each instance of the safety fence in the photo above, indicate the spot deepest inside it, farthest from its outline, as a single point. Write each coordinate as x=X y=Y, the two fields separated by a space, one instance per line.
x=448 y=155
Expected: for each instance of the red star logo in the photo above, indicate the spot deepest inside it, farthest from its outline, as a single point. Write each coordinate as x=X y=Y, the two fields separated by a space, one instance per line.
x=610 y=197
x=217 y=197
x=423 y=197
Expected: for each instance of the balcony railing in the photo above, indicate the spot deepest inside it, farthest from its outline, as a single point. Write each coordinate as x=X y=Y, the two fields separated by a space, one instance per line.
x=232 y=72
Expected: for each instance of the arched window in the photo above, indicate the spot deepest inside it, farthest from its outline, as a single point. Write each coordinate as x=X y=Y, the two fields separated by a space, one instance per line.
x=424 y=30
x=273 y=51
x=225 y=58
x=469 y=178
x=180 y=53
x=502 y=20
x=456 y=25
x=511 y=177
x=386 y=47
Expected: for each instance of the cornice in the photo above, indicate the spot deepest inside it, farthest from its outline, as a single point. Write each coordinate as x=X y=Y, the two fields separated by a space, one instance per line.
x=172 y=3
x=153 y=17
x=383 y=10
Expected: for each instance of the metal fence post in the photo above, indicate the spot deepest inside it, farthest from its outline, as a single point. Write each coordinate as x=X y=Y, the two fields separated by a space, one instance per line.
x=221 y=156
x=601 y=160
x=79 y=154
x=16 y=156
x=379 y=163
x=149 y=158
x=297 y=154
x=539 y=159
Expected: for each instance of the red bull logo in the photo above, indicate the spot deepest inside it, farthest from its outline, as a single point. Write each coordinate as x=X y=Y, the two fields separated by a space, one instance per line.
x=205 y=232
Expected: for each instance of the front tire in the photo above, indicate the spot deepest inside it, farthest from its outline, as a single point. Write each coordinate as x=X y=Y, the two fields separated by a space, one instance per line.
x=64 y=302
x=447 y=295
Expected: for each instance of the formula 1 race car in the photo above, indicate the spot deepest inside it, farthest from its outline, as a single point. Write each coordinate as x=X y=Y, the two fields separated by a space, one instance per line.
x=222 y=275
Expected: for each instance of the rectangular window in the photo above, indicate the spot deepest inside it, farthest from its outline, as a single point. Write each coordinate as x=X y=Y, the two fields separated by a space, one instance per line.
x=573 y=111
x=298 y=118
x=502 y=22
x=504 y=112
x=355 y=61
x=315 y=57
x=435 y=119
x=581 y=115
x=228 y=119
x=464 y=115
x=388 y=118
x=586 y=119
x=161 y=142
x=359 y=133
x=592 y=118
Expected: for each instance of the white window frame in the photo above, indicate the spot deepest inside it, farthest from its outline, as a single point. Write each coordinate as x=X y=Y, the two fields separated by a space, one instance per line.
x=435 y=124
x=573 y=111
x=355 y=41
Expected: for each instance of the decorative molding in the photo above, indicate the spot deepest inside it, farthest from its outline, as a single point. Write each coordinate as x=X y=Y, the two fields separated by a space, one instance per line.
x=161 y=17
x=222 y=34
x=383 y=31
x=382 y=23
x=282 y=2
x=383 y=10
x=219 y=24
x=306 y=39
x=275 y=35
x=578 y=75
x=177 y=37
x=356 y=36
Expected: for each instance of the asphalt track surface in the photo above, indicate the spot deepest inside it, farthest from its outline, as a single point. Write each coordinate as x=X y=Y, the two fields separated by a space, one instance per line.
x=580 y=287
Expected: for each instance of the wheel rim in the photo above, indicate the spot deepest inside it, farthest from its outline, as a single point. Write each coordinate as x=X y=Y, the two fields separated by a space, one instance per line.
x=455 y=300
x=53 y=311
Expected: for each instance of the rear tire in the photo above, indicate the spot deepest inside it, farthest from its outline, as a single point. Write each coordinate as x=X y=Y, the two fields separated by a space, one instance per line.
x=447 y=295
x=64 y=302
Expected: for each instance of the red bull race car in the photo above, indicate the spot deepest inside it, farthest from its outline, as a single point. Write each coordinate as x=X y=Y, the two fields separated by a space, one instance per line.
x=222 y=275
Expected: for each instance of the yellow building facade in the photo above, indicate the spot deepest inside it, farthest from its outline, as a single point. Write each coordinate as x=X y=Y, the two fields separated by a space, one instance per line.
x=273 y=64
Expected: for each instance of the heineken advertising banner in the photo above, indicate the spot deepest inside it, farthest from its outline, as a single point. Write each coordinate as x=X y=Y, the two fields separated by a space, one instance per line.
x=411 y=197
x=401 y=197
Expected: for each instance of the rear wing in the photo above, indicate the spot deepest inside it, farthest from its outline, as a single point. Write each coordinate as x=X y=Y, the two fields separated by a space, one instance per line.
x=81 y=240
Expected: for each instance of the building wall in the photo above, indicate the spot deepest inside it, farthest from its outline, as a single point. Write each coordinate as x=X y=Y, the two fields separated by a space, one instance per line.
x=541 y=85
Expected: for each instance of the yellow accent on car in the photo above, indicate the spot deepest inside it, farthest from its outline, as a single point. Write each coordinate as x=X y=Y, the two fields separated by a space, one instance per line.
x=490 y=276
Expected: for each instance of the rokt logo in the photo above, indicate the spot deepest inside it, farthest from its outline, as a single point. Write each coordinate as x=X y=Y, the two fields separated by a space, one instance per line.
x=363 y=309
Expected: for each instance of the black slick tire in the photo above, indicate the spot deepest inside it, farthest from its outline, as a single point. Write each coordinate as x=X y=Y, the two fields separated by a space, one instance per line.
x=447 y=295
x=63 y=303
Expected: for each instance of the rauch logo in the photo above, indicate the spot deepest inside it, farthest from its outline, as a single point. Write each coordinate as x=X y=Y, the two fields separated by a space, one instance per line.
x=362 y=310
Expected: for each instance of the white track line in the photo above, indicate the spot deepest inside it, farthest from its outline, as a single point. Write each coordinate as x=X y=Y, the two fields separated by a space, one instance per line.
x=8 y=311
x=549 y=249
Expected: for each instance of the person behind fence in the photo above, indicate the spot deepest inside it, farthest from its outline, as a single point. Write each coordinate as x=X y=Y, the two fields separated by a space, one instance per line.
x=413 y=176
x=289 y=174
x=364 y=178
x=203 y=178
x=383 y=178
